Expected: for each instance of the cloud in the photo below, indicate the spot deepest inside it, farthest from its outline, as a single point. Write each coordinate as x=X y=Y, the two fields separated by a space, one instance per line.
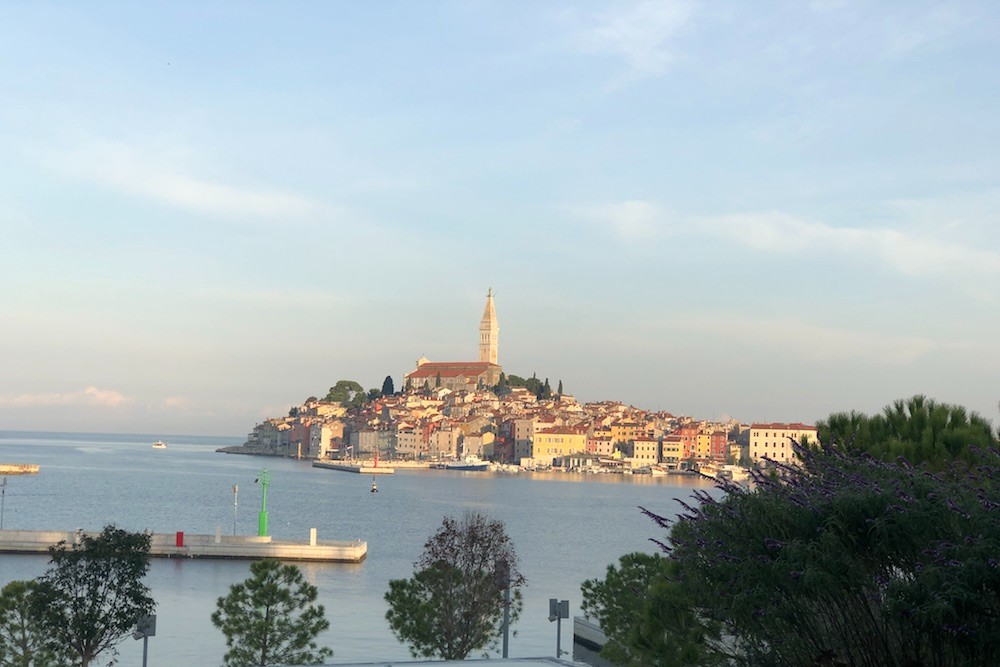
x=815 y=343
x=632 y=220
x=903 y=252
x=638 y=33
x=148 y=174
x=91 y=396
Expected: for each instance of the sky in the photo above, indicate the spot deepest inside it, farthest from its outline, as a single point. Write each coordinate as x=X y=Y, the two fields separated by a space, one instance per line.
x=767 y=211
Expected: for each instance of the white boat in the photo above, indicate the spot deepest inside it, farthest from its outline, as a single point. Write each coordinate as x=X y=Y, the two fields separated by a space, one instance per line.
x=471 y=462
x=159 y=444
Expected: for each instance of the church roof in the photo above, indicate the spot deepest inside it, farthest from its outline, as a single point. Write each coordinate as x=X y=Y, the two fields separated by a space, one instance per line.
x=451 y=369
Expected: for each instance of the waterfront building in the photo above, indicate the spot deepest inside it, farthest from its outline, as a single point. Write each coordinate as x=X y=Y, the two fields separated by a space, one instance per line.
x=672 y=451
x=443 y=443
x=557 y=442
x=645 y=452
x=774 y=440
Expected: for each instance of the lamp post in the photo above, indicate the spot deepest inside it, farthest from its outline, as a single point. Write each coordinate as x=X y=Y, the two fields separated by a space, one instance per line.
x=236 y=491
x=558 y=610
x=3 y=497
x=503 y=580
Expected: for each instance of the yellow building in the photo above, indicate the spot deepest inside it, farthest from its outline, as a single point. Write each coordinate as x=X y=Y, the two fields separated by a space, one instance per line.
x=552 y=443
x=703 y=446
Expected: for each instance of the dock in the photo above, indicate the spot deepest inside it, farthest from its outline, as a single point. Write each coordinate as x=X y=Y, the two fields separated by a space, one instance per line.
x=18 y=468
x=360 y=468
x=218 y=546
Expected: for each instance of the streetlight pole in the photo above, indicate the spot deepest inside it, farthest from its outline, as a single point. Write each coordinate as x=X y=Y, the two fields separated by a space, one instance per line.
x=236 y=490
x=3 y=497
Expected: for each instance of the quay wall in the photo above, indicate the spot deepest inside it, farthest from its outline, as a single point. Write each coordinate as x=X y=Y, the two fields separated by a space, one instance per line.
x=184 y=545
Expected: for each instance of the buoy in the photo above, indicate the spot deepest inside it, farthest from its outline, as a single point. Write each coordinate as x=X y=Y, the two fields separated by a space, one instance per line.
x=374 y=486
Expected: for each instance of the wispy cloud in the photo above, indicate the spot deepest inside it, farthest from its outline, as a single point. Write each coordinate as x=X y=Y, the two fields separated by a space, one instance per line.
x=639 y=33
x=904 y=252
x=632 y=220
x=91 y=396
x=815 y=343
x=166 y=179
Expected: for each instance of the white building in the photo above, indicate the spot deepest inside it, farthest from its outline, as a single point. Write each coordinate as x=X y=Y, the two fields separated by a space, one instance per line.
x=774 y=441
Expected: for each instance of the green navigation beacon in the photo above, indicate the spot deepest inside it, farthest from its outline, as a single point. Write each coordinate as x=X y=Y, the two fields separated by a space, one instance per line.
x=262 y=520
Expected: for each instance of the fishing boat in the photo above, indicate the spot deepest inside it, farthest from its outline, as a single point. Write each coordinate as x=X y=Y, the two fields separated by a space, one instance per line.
x=471 y=462
x=159 y=444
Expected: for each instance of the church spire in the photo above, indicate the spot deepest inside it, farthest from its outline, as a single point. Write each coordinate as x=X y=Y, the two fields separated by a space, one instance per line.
x=489 y=331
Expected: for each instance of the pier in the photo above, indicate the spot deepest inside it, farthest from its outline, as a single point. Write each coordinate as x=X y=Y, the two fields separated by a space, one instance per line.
x=360 y=468
x=218 y=546
x=18 y=468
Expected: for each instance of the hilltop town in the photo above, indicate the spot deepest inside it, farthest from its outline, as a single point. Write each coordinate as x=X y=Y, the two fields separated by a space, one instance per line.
x=454 y=410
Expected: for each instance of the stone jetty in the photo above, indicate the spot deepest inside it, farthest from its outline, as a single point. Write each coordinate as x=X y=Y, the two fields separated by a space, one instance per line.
x=219 y=546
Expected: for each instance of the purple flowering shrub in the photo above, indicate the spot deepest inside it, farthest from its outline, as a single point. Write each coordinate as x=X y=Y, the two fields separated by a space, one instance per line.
x=844 y=559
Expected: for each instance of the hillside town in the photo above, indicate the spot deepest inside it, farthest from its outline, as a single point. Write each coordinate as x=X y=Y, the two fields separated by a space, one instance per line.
x=467 y=410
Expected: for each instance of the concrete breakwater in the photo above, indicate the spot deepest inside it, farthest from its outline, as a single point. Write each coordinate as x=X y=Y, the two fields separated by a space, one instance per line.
x=183 y=545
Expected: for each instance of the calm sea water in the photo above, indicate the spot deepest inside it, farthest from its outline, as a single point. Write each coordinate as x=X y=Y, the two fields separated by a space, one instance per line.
x=565 y=528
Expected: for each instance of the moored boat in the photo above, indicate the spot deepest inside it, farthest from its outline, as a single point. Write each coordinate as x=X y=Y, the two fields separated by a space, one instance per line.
x=159 y=444
x=471 y=462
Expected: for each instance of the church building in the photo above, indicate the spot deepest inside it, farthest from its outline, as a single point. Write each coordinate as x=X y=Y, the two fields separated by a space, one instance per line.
x=468 y=375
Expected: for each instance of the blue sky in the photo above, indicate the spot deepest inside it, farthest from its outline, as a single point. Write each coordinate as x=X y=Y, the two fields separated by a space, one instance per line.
x=770 y=211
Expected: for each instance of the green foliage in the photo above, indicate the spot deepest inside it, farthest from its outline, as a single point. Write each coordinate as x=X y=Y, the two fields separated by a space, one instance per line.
x=348 y=393
x=22 y=642
x=843 y=560
x=454 y=602
x=437 y=379
x=645 y=615
x=89 y=599
x=532 y=384
x=270 y=618
x=917 y=429
x=559 y=390
x=388 y=389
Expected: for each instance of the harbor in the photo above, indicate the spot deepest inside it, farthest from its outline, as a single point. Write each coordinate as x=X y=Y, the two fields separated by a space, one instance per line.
x=219 y=546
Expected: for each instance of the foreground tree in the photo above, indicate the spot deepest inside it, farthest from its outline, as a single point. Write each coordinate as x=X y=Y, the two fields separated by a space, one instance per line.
x=22 y=643
x=645 y=615
x=842 y=560
x=90 y=598
x=270 y=618
x=454 y=603
x=918 y=429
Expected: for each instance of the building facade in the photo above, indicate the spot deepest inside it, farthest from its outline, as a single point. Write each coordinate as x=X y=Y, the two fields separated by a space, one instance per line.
x=774 y=441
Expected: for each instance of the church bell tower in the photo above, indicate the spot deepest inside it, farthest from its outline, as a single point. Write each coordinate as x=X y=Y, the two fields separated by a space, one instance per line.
x=489 y=332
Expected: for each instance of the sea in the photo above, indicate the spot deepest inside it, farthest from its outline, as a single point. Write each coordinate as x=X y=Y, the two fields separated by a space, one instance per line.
x=566 y=528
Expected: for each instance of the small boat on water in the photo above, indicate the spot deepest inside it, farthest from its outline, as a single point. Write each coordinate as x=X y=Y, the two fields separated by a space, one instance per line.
x=159 y=444
x=471 y=462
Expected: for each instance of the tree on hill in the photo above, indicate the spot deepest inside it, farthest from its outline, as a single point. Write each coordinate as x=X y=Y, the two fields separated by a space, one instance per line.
x=271 y=619
x=454 y=602
x=918 y=429
x=843 y=559
x=388 y=389
x=91 y=596
x=559 y=389
x=346 y=392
